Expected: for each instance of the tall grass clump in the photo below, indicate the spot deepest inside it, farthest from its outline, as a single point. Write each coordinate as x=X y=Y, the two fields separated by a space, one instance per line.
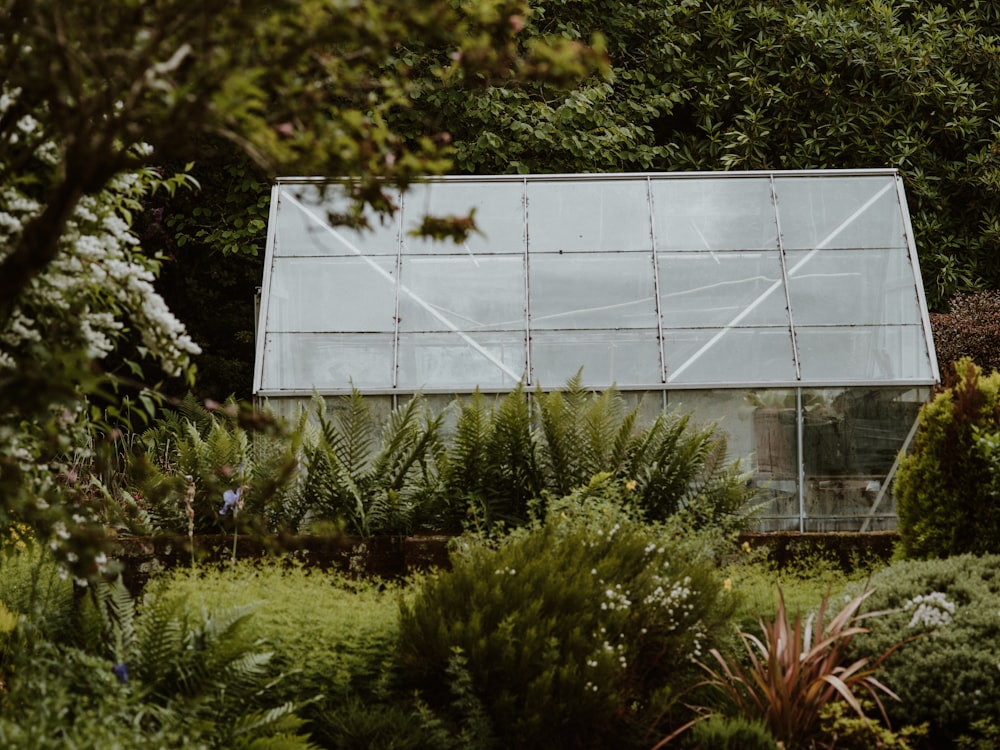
x=577 y=631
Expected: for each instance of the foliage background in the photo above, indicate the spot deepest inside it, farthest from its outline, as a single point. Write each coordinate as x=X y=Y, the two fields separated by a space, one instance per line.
x=910 y=84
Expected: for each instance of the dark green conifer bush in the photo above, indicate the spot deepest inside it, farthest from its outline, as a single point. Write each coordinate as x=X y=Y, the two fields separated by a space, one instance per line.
x=575 y=631
x=949 y=676
x=946 y=488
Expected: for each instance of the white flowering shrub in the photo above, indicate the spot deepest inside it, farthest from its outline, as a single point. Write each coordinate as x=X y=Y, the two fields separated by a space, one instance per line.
x=948 y=675
x=77 y=308
x=575 y=632
x=930 y=611
x=99 y=285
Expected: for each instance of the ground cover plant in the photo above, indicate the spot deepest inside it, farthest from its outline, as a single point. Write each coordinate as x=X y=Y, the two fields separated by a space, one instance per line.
x=89 y=668
x=332 y=638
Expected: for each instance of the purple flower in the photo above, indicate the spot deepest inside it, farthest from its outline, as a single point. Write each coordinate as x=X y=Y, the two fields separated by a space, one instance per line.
x=230 y=499
x=121 y=672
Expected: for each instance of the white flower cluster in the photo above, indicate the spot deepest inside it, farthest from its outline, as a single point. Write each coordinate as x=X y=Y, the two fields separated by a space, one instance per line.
x=99 y=281
x=672 y=597
x=616 y=598
x=931 y=611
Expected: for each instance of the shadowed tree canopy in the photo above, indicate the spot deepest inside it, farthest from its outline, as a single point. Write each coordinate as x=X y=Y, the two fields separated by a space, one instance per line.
x=304 y=85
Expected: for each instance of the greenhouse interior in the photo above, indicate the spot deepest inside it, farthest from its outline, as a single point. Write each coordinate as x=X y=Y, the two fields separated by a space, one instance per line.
x=785 y=307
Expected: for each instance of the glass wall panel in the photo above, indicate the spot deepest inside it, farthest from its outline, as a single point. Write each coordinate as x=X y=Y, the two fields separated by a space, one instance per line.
x=590 y=290
x=489 y=360
x=851 y=440
x=714 y=214
x=588 y=215
x=307 y=225
x=332 y=294
x=774 y=457
x=712 y=289
x=844 y=212
x=862 y=353
x=441 y=293
x=623 y=358
x=728 y=355
x=327 y=361
x=499 y=215
x=852 y=287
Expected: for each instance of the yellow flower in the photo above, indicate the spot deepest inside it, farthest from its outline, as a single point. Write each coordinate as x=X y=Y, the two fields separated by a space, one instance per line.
x=746 y=547
x=630 y=485
x=727 y=584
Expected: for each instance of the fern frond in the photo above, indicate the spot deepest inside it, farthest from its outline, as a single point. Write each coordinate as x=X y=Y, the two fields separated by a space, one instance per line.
x=351 y=434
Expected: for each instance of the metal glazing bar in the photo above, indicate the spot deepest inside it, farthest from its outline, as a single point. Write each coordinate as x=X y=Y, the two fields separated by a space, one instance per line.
x=800 y=426
x=656 y=282
x=527 y=282
x=784 y=282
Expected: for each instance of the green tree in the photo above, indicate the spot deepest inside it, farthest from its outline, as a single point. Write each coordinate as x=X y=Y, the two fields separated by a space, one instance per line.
x=947 y=487
x=98 y=95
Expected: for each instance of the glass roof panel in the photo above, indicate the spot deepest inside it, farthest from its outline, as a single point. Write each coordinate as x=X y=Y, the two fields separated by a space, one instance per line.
x=460 y=361
x=718 y=288
x=878 y=284
x=469 y=293
x=591 y=290
x=307 y=225
x=625 y=358
x=862 y=353
x=713 y=214
x=499 y=216
x=327 y=361
x=321 y=294
x=726 y=355
x=847 y=212
x=588 y=215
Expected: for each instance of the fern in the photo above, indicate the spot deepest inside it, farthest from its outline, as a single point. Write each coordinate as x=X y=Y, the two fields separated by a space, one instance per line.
x=370 y=479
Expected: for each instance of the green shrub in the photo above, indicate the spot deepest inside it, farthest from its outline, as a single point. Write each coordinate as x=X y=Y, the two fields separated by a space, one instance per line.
x=62 y=697
x=949 y=677
x=737 y=733
x=946 y=488
x=574 y=632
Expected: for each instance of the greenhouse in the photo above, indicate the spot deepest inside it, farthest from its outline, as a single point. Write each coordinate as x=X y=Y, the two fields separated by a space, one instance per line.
x=786 y=307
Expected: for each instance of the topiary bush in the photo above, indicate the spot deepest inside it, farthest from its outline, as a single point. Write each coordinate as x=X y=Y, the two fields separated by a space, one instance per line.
x=574 y=632
x=945 y=488
x=949 y=676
